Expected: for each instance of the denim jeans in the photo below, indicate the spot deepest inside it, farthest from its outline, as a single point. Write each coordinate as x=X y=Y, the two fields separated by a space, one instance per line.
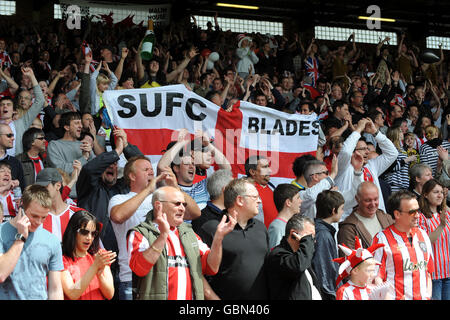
x=441 y=289
x=125 y=290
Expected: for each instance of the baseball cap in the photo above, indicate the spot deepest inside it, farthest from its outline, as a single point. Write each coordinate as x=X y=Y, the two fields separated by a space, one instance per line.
x=48 y=175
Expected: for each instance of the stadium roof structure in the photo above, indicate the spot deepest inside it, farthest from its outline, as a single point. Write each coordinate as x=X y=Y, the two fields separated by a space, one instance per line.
x=419 y=18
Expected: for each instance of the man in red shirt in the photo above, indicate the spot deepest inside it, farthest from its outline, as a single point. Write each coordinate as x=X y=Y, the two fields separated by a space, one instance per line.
x=258 y=168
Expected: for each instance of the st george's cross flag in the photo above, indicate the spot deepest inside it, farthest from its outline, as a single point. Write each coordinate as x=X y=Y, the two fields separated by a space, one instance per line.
x=152 y=117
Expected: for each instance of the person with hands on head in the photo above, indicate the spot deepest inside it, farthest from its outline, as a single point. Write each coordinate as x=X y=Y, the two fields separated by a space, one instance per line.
x=204 y=153
x=162 y=247
x=30 y=256
x=288 y=266
x=179 y=157
x=87 y=274
x=434 y=219
x=372 y=168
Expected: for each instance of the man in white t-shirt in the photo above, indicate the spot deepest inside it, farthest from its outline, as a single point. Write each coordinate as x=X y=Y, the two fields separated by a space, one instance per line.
x=128 y=210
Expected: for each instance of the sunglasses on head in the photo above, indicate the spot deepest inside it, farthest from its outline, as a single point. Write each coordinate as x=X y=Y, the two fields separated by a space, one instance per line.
x=85 y=232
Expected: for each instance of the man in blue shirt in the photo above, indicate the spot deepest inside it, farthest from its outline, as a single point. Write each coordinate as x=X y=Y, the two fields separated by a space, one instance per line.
x=29 y=254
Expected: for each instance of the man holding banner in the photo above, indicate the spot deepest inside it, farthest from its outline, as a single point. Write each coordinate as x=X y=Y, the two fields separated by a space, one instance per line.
x=155 y=115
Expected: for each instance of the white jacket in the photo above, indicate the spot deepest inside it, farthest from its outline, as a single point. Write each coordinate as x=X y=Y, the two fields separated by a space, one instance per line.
x=247 y=58
x=376 y=166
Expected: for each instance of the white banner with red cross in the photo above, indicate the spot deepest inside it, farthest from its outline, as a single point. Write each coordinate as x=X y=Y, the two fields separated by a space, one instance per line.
x=152 y=118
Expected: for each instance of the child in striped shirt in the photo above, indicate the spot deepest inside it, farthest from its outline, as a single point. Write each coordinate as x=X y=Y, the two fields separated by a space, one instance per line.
x=359 y=266
x=356 y=287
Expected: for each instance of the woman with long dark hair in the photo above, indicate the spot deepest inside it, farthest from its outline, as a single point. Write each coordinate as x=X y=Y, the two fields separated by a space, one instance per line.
x=87 y=274
x=434 y=219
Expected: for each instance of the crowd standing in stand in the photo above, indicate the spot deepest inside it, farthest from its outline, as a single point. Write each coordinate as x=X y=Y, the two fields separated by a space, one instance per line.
x=380 y=174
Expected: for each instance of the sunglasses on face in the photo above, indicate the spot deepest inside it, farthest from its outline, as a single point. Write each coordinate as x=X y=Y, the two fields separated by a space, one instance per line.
x=177 y=203
x=9 y=135
x=85 y=232
x=411 y=212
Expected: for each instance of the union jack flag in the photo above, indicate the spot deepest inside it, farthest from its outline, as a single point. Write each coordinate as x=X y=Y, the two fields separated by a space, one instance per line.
x=312 y=69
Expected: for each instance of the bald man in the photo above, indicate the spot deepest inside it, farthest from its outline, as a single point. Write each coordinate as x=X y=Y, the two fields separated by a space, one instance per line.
x=366 y=220
x=166 y=256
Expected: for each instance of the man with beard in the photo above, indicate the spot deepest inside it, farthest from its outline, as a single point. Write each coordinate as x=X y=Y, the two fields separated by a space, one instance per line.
x=372 y=168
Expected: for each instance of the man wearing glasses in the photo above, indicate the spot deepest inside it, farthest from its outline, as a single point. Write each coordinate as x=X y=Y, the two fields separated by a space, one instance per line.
x=6 y=143
x=32 y=158
x=240 y=275
x=372 y=168
x=128 y=210
x=407 y=256
x=318 y=179
x=167 y=258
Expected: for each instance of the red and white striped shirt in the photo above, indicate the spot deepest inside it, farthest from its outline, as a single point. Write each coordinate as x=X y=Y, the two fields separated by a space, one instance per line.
x=57 y=223
x=38 y=165
x=9 y=206
x=351 y=291
x=179 y=279
x=440 y=246
x=406 y=267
